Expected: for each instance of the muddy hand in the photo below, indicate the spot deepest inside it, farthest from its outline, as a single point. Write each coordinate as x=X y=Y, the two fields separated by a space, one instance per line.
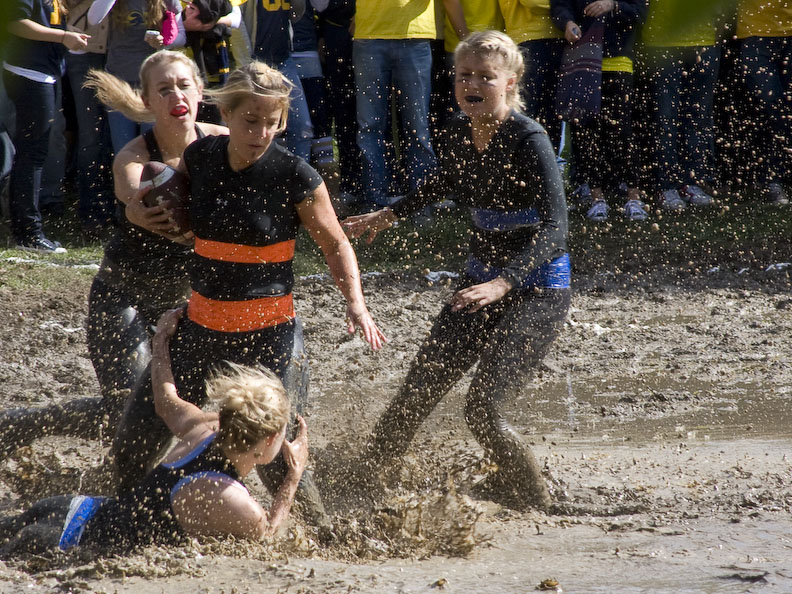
x=295 y=452
x=478 y=296
x=360 y=318
x=169 y=321
x=371 y=223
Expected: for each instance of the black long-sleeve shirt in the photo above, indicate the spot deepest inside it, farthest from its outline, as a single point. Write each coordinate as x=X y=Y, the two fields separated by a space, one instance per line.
x=513 y=190
x=621 y=25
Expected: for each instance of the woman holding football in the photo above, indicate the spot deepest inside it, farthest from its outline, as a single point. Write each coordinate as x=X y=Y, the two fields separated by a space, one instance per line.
x=249 y=195
x=143 y=274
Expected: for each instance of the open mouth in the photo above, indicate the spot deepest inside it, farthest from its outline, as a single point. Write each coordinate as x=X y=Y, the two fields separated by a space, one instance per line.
x=179 y=110
x=474 y=99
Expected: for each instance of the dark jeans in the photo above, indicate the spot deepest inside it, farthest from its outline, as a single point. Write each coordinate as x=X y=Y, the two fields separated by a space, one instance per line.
x=542 y=65
x=604 y=155
x=768 y=78
x=340 y=79
x=682 y=82
x=94 y=147
x=35 y=105
x=508 y=339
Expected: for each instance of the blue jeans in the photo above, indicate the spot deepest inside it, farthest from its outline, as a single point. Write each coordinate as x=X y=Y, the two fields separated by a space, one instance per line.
x=35 y=105
x=407 y=65
x=94 y=162
x=768 y=78
x=299 y=130
x=542 y=64
x=122 y=129
x=682 y=82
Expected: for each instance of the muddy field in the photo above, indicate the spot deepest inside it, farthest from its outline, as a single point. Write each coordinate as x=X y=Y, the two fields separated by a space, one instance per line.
x=663 y=417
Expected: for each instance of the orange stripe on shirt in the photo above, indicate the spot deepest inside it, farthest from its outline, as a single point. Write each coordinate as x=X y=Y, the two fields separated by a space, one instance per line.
x=245 y=254
x=240 y=316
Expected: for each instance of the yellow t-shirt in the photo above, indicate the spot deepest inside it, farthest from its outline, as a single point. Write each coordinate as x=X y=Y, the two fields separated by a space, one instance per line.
x=395 y=19
x=480 y=15
x=764 y=18
x=527 y=20
x=658 y=32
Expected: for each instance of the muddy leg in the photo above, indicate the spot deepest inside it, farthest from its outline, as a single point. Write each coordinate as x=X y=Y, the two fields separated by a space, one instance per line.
x=140 y=437
x=296 y=379
x=85 y=417
x=521 y=341
x=34 y=528
x=450 y=350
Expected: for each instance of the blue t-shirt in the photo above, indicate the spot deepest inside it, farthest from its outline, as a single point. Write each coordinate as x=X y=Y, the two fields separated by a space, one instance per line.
x=273 y=32
x=42 y=56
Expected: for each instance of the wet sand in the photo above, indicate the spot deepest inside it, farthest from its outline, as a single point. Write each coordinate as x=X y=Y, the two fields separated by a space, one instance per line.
x=662 y=416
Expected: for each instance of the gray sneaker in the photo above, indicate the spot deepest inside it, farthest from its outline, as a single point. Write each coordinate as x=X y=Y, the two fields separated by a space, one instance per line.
x=635 y=210
x=695 y=196
x=775 y=194
x=598 y=211
x=671 y=200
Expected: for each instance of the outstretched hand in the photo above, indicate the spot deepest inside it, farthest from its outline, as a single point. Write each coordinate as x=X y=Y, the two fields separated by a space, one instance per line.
x=295 y=452
x=477 y=296
x=359 y=318
x=371 y=223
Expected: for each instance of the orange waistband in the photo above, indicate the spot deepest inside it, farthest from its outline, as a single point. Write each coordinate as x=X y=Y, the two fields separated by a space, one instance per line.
x=240 y=316
x=245 y=254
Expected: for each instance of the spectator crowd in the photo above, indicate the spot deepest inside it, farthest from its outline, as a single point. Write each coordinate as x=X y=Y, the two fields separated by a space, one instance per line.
x=682 y=113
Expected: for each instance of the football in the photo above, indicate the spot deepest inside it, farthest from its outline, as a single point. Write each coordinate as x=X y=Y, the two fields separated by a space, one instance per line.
x=168 y=185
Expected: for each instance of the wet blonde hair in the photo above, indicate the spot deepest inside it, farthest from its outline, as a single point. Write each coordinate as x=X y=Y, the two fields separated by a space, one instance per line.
x=254 y=78
x=120 y=96
x=253 y=405
x=505 y=55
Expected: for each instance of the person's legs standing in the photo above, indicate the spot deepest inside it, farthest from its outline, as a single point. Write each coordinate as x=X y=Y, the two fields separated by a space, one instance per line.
x=35 y=112
x=96 y=200
x=372 y=63
x=299 y=131
x=412 y=67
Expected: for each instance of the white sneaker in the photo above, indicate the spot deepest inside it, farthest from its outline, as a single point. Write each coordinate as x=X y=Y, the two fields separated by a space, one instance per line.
x=694 y=195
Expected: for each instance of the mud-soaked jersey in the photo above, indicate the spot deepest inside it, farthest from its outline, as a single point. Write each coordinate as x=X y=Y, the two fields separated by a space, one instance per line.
x=145 y=514
x=150 y=261
x=245 y=224
x=515 y=195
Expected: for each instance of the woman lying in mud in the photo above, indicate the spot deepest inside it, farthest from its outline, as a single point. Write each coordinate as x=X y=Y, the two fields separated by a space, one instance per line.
x=197 y=489
x=143 y=273
x=248 y=198
x=514 y=295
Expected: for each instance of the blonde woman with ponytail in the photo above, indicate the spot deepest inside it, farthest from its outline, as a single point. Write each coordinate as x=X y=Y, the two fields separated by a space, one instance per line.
x=143 y=273
x=135 y=33
x=197 y=489
x=249 y=196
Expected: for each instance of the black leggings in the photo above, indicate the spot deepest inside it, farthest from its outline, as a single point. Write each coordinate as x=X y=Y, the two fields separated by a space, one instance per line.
x=508 y=339
x=36 y=530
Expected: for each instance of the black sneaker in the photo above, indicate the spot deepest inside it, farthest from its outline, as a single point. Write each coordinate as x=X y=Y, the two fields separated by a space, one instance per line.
x=42 y=245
